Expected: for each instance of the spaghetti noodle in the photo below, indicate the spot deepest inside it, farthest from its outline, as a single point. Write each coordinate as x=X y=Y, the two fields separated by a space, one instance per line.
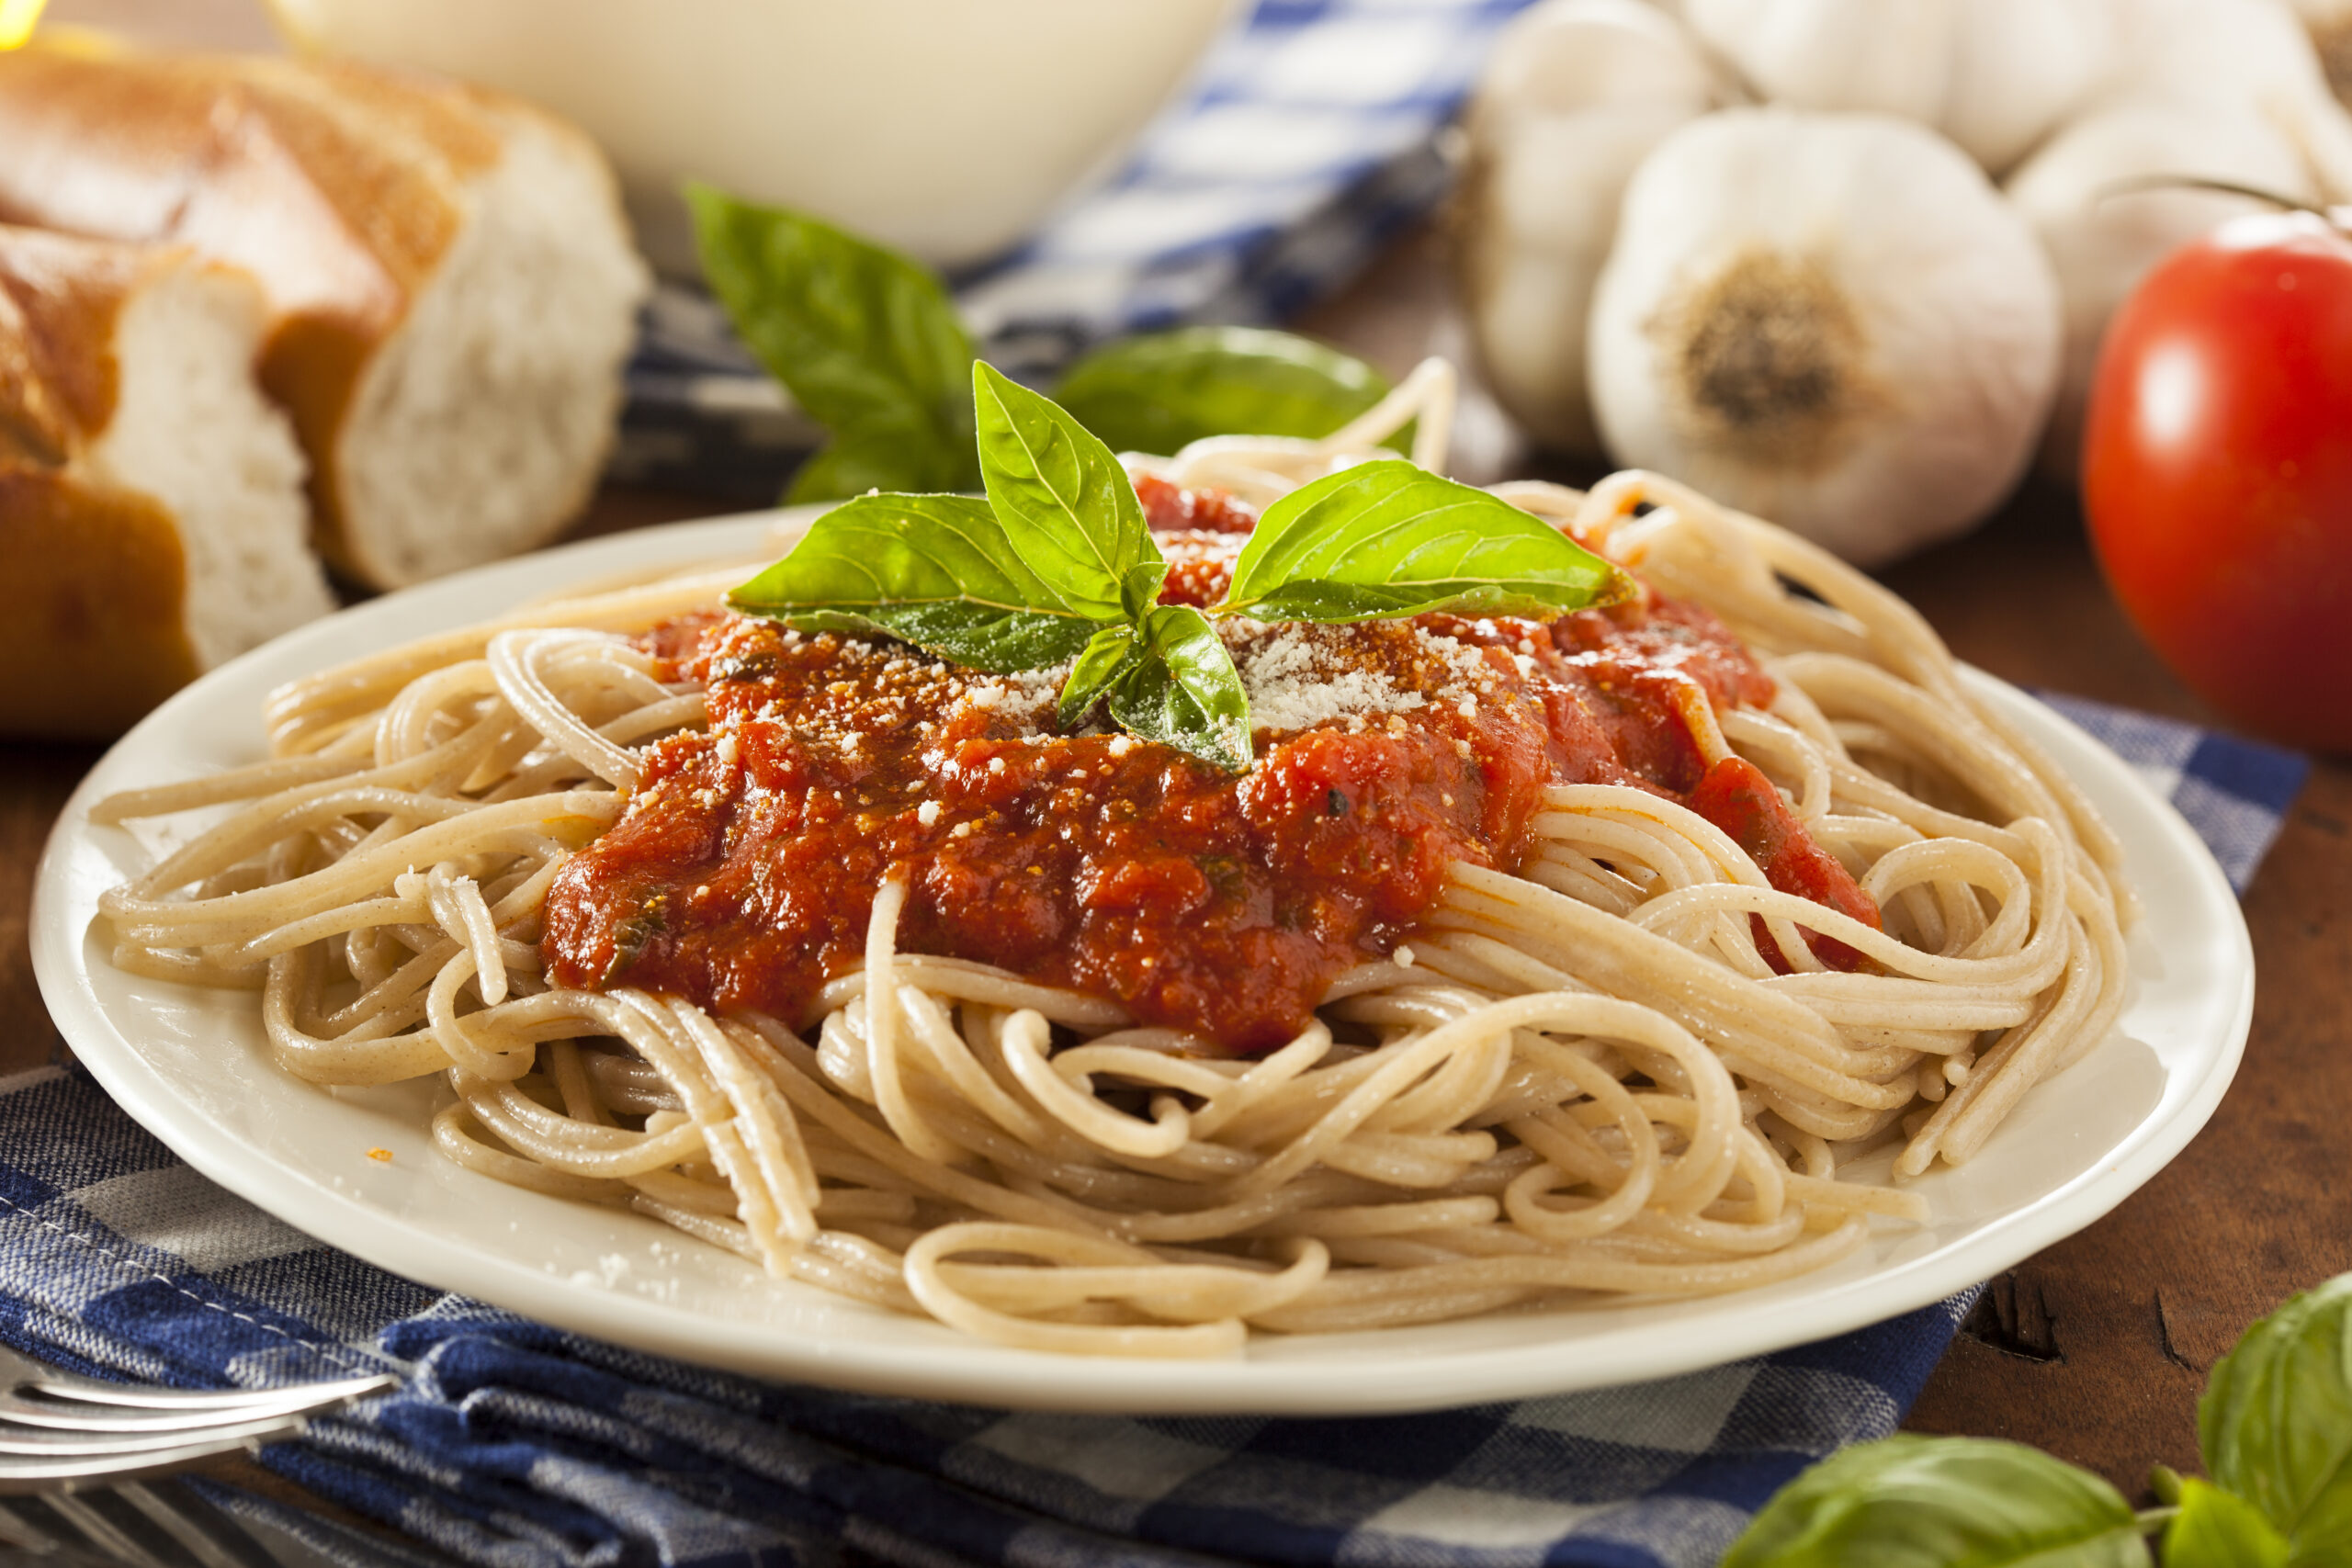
x=1620 y=1065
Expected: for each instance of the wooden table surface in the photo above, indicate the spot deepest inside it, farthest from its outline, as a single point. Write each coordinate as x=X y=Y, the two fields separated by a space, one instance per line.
x=2095 y=1350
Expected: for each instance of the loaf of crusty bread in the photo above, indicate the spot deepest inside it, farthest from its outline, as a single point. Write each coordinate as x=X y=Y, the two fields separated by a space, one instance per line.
x=152 y=517
x=450 y=279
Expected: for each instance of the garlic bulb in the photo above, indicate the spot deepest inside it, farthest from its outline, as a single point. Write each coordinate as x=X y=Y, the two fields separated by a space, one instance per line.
x=1994 y=75
x=1578 y=93
x=1833 y=320
x=2329 y=22
x=2102 y=239
x=2254 y=51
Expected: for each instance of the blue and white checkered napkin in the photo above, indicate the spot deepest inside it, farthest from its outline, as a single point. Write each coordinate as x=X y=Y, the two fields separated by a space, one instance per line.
x=1307 y=139
x=515 y=1445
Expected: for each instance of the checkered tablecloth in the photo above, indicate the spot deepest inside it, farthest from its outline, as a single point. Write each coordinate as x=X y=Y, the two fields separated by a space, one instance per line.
x=514 y=1445
x=1307 y=139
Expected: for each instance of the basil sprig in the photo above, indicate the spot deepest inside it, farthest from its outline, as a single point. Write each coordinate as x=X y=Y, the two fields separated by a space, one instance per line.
x=2275 y=1426
x=865 y=339
x=869 y=345
x=1067 y=506
x=1912 y=1502
x=1387 y=538
x=1165 y=677
x=1163 y=391
x=935 y=570
x=2276 y=1421
x=1059 y=565
x=2221 y=1529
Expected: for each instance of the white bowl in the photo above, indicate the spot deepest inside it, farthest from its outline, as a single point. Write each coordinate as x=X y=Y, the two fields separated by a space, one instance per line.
x=945 y=128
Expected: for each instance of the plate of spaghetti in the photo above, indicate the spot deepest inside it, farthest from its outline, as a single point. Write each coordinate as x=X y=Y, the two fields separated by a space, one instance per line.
x=1531 y=1003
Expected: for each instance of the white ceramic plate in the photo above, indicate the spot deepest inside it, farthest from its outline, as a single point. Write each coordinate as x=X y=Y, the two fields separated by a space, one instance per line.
x=190 y=1066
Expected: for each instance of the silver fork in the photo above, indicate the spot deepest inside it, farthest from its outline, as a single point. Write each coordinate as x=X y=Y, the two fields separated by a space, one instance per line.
x=58 y=1432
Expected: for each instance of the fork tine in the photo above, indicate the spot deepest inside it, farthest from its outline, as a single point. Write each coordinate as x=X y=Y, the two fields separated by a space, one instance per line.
x=124 y=1420
x=103 y=1533
x=203 y=1532
x=60 y=1432
x=64 y=1406
x=25 y=1535
x=50 y=1441
x=50 y=1475
x=177 y=1527
x=301 y=1396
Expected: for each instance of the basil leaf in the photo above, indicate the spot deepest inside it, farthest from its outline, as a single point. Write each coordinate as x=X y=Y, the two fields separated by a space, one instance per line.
x=2276 y=1420
x=934 y=570
x=864 y=338
x=1178 y=686
x=1914 y=1502
x=1388 y=539
x=2221 y=1529
x=1065 y=503
x=1101 y=662
x=1139 y=589
x=1159 y=391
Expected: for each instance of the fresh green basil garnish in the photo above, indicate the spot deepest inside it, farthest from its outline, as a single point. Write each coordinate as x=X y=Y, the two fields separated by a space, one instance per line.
x=1098 y=663
x=2275 y=1424
x=1388 y=539
x=1059 y=565
x=869 y=343
x=2221 y=1529
x=1166 y=677
x=1066 y=502
x=934 y=570
x=1159 y=391
x=1914 y=1502
x=1176 y=684
x=2276 y=1421
x=864 y=338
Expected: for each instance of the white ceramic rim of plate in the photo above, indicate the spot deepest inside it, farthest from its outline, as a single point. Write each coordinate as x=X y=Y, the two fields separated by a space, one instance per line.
x=1505 y=1357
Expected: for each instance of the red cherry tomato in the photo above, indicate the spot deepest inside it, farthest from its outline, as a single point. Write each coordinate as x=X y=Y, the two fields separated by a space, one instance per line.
x=2217 y=471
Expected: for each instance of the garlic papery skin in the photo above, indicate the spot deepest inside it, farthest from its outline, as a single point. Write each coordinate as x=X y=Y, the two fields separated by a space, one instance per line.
x=1994 y=75
x=2329 y=23
x=2256 y=53
x=1577 y=92
x=2102 y=235
x=1831 y=320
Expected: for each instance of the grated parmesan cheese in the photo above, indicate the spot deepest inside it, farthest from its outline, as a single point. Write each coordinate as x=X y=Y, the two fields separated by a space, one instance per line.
x=1025 y=697
x=1300 y=675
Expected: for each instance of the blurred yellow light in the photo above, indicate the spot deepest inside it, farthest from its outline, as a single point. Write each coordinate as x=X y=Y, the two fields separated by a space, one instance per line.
x=16 y=19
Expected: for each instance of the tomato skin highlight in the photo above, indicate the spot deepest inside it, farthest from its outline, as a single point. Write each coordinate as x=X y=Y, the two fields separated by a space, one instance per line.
x=2217 y=471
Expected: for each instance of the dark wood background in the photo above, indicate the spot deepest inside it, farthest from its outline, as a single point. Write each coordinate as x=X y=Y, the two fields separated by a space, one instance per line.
x=2095 y=1350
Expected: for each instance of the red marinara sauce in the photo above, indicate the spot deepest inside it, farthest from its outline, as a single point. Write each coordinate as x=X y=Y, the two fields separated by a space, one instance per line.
x=744 y=872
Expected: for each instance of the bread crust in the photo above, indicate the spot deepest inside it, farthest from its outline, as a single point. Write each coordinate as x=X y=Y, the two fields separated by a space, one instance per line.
x=58 y=299
x=96 y=632
x=339 y=186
